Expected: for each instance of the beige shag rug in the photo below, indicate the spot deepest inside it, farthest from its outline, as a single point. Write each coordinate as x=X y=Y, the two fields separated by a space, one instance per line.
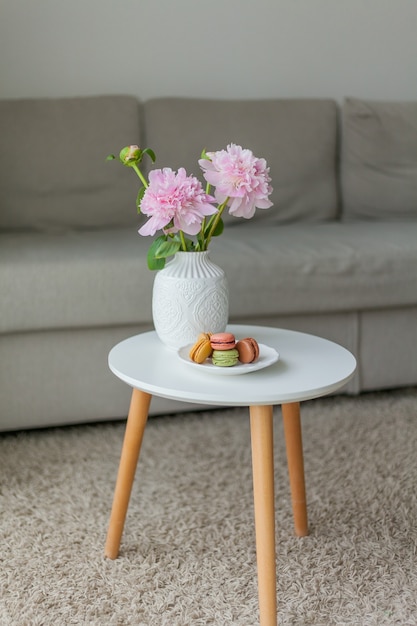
x=188 y=551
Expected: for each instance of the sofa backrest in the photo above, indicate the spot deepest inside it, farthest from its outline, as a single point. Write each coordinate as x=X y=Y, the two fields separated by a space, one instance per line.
x=297 y=138
x=53 y=169
x=54 y=176
x=379 y=160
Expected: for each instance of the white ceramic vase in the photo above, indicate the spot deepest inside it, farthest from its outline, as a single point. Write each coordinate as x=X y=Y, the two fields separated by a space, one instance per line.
x=190 y=296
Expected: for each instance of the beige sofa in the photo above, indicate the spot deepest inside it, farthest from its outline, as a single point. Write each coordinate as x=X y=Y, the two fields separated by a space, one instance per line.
x=335 y=256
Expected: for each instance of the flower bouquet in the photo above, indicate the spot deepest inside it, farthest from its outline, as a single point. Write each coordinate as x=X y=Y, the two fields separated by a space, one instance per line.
x=188 y=215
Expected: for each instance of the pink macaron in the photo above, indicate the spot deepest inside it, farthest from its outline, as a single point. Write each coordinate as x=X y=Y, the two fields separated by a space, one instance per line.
x=222 y=341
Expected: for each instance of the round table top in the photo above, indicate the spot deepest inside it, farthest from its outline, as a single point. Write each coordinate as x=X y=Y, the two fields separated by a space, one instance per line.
x=307 y=367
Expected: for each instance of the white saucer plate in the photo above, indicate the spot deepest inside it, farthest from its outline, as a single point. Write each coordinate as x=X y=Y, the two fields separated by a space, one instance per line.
x=267 y=356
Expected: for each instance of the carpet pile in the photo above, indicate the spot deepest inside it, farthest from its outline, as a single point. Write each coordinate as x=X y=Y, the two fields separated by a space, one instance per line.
x=188 y=550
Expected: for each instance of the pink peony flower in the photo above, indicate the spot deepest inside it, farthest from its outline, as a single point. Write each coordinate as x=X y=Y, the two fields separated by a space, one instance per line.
x=174 y=199
x=177 y=203
x=240 y=176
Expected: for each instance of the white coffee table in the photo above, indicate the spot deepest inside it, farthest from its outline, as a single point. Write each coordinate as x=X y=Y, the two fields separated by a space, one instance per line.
x=308 y=367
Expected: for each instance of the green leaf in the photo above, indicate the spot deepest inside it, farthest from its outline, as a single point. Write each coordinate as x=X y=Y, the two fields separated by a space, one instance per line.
x=150 y=153
x=157 y=242
x=217 y=231
x=219 y=228
x=190 y=245
x=200 y=241
x=110 y=157
x=167 y=248
x=139 y=197
x=153 y=262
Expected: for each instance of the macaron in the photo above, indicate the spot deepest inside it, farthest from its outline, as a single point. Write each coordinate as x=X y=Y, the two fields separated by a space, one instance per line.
x=248 y=350
x=202 y=349
x=225 y=358
x=222 y=341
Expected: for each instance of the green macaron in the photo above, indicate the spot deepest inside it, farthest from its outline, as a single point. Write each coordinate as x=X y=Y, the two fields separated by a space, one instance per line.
x=225 y=358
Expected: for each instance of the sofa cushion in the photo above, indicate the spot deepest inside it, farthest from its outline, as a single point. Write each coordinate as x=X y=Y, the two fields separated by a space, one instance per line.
x=54 y=175
x=93 y=279
x=296 y=137
x=319 y=268
x=74 y=279
x=379 y=160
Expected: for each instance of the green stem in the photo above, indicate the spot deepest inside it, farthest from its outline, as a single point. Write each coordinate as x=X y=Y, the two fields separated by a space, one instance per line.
x=139 y=173
x=183 y=244
x=215 y=222
x=200 y=236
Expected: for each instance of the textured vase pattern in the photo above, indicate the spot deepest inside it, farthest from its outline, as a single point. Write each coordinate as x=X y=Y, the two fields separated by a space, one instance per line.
x=190 y=296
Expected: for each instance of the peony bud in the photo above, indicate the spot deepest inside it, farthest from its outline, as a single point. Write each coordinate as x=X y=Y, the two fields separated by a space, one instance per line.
x=130 y=154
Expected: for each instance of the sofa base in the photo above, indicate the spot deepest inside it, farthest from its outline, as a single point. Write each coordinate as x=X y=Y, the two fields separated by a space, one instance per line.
x=58 y=377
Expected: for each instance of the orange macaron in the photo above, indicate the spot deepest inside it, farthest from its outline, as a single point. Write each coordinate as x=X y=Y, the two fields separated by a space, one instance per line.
x=202 y=349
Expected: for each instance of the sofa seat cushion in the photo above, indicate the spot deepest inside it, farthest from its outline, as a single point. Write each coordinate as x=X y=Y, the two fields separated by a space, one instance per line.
x=93 y=279
x=73 y=279
x=328 y=267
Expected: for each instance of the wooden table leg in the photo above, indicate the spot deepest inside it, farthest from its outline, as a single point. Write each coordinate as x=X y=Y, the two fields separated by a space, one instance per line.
x=135 y=427
x=294 y=445
x=261 y=422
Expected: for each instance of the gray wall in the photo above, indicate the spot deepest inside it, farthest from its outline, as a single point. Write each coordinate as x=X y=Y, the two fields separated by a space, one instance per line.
x=218 y=48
